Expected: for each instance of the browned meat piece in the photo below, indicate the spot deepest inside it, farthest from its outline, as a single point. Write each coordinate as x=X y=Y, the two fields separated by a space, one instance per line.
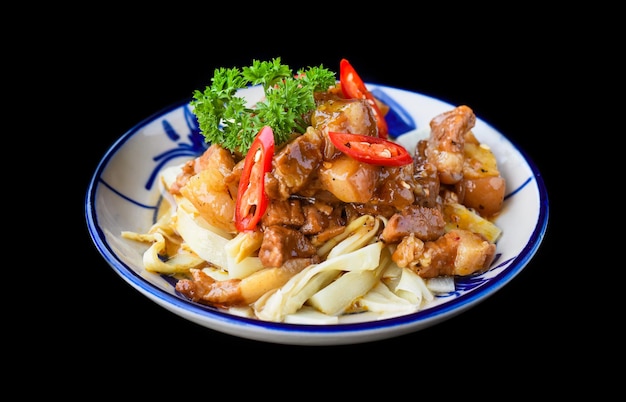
x=284 y=212
x=188 y=170
x=211 y=189
x=203 y=288
x=424 y=223
x=315 y=222
x=335 y=113
x=281 y=244
x=396 y=186
x=482 y=187
x=458 y=252
x=240 y=292
x=321 y=217
x=408 y=252
x=294 y=165
x=344 y=115
x=204 y=162
x=331 y=221
x=426 y=179
x=447 y=138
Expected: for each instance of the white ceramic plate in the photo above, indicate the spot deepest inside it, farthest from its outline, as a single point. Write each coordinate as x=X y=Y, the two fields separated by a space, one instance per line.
x=123 y=196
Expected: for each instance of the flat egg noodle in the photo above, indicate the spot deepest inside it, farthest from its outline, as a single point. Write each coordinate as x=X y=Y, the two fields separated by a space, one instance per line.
x=289 y=298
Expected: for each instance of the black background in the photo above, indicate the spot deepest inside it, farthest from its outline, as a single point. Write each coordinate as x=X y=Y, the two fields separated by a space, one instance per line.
x=124 y=75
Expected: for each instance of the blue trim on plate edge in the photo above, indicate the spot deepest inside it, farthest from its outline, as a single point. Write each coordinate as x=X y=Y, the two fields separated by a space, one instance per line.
x=399 y=122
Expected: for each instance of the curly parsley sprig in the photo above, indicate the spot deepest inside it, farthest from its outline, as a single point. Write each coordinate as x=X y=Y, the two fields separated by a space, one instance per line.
x=225 y=119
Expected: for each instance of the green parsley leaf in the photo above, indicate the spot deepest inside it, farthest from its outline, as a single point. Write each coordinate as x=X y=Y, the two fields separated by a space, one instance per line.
x=225 y=119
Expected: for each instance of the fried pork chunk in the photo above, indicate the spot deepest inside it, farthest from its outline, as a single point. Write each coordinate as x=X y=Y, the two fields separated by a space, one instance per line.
x=458 y=252
x=447 y=140
x=423 y=222
x=281 y=244
x=295 y=165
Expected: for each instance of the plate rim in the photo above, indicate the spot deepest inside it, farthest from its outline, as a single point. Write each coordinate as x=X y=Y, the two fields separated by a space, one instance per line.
x=310 y=334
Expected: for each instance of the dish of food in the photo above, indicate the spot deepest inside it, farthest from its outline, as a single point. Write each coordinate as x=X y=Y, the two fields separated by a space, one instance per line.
x=126 y=195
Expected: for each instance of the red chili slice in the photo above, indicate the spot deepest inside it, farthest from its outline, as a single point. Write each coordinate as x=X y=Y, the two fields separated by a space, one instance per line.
x=372 y=150
x=353 y=87
x=251 y=198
